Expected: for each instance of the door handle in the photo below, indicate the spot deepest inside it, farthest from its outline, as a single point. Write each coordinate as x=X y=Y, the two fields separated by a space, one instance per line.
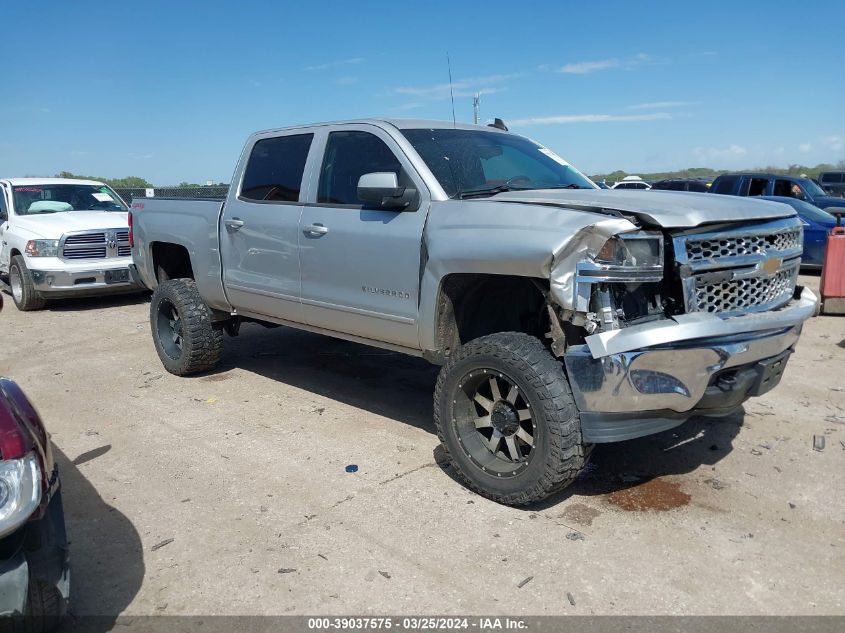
x=316 y=229
x=234 y=224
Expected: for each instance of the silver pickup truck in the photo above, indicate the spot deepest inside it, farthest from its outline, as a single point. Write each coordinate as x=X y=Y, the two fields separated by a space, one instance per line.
x=562 y=315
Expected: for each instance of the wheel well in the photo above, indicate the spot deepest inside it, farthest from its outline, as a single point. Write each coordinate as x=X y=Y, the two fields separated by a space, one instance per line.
x=14 y=253
x=473 y=305
x=171 y=261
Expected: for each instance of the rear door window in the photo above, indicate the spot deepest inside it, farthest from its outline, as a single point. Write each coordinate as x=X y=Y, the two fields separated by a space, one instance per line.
x=725 y=184
x=275 y=168
x=757 y=186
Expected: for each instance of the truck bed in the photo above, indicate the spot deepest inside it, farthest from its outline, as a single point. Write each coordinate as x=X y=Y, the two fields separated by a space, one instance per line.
x=189 y=222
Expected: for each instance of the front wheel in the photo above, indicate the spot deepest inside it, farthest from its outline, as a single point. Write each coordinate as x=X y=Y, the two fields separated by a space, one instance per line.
x=24 y=294
x=185 y=337
x=507 y=419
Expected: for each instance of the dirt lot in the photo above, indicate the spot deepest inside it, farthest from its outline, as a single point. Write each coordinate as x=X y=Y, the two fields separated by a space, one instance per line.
x=227 y=494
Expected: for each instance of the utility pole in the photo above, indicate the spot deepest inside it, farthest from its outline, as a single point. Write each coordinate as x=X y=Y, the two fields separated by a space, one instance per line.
x=476 y=104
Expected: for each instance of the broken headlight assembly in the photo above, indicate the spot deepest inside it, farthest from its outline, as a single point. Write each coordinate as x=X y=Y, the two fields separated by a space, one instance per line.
x=630 y=257
x=620 y=284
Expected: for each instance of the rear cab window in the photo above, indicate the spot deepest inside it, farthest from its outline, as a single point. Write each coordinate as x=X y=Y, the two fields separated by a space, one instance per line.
x=275 y=168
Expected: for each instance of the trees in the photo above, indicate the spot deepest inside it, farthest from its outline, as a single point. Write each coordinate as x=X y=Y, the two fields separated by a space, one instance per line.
x=119 y=183
x=709 y=173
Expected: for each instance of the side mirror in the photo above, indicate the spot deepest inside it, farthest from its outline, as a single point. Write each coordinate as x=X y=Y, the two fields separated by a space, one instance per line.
x=381 y=189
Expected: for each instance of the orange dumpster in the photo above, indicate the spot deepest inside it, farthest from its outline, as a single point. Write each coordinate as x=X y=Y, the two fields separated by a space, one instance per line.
x=833 y=272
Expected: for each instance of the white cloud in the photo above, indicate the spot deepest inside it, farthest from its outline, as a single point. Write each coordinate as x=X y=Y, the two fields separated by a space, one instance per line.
x=628 y=63
x=661 y=105
x=833 y=142
x=460 y=87
x=346 y=81
x=335 y=64
x=590 y=118
x=717 y=153
x=584 y=68
x=805 y=148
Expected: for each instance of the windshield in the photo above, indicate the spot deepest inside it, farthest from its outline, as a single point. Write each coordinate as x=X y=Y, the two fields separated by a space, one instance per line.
x=36 y=199
x=475 y=161
x=812 y=188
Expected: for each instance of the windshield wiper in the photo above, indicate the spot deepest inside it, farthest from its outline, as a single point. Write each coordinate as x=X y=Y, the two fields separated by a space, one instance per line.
x=490 y=191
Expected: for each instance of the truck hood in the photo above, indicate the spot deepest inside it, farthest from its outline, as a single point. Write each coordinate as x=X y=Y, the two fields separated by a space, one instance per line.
x=826 y=202
x=666 y=209
x=52 y=226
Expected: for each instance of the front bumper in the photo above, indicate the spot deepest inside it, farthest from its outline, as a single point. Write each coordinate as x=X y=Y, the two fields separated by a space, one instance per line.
x=641 y=380
x=83 y=281
x=37 y=552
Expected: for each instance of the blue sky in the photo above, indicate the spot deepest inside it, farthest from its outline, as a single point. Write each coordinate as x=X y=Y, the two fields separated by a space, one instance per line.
x=170 y=90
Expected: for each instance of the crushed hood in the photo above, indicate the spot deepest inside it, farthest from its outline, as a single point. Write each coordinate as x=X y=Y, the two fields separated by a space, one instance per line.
x=54 y=225
x=667 y=209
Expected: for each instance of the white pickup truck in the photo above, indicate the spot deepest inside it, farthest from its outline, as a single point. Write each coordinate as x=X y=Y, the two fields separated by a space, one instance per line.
x=62 y=238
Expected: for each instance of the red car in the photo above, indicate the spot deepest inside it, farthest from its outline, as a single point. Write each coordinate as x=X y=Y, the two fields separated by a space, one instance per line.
x=34 y=570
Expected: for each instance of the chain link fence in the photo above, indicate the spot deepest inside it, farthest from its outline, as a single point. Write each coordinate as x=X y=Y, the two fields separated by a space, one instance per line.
x=131 y=193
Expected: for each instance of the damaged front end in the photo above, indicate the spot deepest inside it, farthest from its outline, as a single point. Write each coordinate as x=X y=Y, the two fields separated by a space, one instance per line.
x=655 y=326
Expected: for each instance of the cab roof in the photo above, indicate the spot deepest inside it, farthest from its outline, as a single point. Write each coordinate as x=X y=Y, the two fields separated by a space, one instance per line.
x=401 y=124
x=16 y=182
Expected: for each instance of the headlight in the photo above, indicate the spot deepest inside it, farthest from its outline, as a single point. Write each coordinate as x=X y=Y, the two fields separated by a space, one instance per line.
x=42 y=248
x=20 y=491
x=635 y=250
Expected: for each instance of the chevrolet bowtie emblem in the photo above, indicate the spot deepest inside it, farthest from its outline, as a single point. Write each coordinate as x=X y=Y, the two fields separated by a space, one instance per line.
x=772 y=265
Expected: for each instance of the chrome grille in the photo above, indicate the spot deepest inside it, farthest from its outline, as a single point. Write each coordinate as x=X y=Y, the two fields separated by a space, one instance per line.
x=739 y=270
x=698 y=250
x=85 y=238
x=96 y=245
x=741 y=294
x=91 y=252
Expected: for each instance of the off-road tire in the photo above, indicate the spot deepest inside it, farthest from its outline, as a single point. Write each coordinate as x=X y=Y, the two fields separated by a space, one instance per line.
x=560 y=454
x=45 y=608
x=202 y=339
x=29 y=299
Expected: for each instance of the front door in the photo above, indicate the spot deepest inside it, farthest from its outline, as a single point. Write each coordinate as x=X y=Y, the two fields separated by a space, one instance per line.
x=361 y=266
x=259 y=231
x=4 y=226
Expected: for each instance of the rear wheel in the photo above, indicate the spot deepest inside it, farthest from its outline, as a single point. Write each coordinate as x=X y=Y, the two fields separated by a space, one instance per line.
x=506 y=417
x=185 y=337
x=24 y=295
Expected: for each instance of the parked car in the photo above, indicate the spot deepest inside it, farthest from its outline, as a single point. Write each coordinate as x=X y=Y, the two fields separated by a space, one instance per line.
x=833 y=182
x=631 y=182
x=62 y=238
x=562 y=315
x=34 y=570
x=774 y=185
x=817 y=225
x=682 y=184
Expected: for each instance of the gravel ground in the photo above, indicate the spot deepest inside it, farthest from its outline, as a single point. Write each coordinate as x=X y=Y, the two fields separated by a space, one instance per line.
x=228 y=494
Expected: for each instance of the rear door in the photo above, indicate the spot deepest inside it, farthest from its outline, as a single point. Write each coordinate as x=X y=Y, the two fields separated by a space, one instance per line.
x=361 y=265
x=259 y=231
